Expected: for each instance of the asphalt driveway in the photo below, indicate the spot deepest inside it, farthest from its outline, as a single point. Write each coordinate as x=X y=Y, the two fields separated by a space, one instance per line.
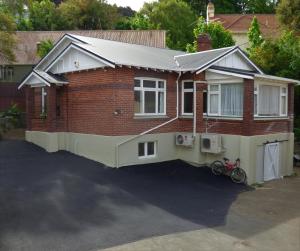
x=60 y=201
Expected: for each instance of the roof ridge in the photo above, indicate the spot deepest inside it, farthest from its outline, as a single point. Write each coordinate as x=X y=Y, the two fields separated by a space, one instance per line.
x=200 y=52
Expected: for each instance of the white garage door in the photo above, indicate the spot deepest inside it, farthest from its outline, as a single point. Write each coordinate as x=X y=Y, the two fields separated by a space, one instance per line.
x=271 y=161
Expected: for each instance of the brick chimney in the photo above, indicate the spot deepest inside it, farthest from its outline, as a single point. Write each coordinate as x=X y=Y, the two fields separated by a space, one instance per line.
x=204 y=42
x=210 y=12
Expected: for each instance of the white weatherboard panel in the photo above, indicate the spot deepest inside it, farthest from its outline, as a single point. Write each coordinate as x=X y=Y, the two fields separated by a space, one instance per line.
x=34 y=80
x=213 y=76
x=235 y=60
x=75 y=60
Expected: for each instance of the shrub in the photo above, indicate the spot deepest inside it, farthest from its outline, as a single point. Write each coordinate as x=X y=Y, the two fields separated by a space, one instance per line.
x=297 y=134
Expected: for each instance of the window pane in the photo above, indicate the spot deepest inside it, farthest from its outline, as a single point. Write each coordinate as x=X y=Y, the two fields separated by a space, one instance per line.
x=204 y=102
x=188 y=85
x=232 y=99
x=150 y=150
x=161 y=84
x=188 y=102
x=214 y=103
x=283 y=105
x=161 y=102
x=137 y=102
x=255 y=104
x=141 y=149
x=283 y=90
x=214 y=88
x=149 y=102
x=137 y=83
x=149 y=83
x=269 y=100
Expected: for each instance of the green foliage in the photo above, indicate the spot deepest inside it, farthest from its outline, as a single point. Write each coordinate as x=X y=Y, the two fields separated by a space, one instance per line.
x=288 y=13
x=44 y=47
x=7 y=39
x=11 y=118
x=280 y=57
x=43 y=15
x=88 y=14
x=254 y=35
x=174 y=16
x=219 y=36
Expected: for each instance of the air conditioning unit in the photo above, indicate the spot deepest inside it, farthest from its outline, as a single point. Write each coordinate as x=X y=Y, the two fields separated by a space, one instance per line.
x=211 y=143
x=184 y=139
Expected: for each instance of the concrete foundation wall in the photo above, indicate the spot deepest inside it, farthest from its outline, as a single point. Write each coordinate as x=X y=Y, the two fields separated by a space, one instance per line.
x=103 y=149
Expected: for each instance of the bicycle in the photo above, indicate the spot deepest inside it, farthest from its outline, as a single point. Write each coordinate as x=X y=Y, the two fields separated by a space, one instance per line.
x=232 y=169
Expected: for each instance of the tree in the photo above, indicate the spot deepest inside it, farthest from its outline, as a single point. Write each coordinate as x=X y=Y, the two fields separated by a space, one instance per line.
x=219 y=36
x=288 y=13
x=44 y=47
x=254 y=35
x=7 y=39
x=174 y=16
x=43 y=15
x=88 y=14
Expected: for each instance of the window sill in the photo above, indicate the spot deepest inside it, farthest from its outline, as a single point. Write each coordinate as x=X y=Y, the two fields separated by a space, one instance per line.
x=271 y=118
x=186 y=116
x=223 y=118
x=150 y=117
x=147 y=157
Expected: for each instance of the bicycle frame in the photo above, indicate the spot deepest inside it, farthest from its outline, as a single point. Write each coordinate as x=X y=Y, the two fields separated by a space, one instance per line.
x=229 y=166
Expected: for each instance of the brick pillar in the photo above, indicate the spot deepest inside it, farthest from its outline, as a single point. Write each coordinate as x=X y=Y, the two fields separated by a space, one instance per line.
x=29 y=93
x=291 y=106
x=248 y=116
x=51 y=108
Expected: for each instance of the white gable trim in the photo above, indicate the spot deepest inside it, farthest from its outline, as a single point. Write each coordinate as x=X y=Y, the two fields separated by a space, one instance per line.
x=77 y=47
x=33 y=74
x=230 y=74
x=218 y=59
x=66 y=36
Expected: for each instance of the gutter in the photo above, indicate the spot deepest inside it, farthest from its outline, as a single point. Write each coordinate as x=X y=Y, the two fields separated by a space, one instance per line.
x=152 y=129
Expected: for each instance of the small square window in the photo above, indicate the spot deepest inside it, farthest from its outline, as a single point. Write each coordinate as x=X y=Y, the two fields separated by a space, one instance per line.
x=188 y=85
x=149 y=84
x=147 y=149
x=214 y=88
x=161 y=84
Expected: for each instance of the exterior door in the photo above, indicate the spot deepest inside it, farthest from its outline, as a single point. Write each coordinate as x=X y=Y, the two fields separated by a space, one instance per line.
x=271 y=161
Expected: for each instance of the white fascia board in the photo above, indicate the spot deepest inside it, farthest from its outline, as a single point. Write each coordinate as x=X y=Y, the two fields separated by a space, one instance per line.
x=55 y=46
x=274 y=78
x=231 y=74
x=31 y=75
x=83 y=50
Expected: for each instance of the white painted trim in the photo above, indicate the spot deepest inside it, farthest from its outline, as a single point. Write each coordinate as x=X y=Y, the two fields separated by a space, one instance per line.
x=200 y=52
x=142 y=90
x=72 y=46
x=279 y=79
x=55 y=46
x=29 y=76
x=230 y=74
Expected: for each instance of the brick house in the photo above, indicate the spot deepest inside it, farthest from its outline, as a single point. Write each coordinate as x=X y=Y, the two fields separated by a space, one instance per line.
x=124 y=104
x=25 y=51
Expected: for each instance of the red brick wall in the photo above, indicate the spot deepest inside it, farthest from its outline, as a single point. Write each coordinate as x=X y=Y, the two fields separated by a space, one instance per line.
x=102 y=102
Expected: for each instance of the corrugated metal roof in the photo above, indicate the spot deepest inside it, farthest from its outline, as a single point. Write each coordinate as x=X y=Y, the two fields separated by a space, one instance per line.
x=27 y=41
x=195 y=61
x=131 y=54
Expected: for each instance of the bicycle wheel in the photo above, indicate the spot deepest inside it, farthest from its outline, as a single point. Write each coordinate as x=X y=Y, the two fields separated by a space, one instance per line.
x=217 y=167
x=238 y=175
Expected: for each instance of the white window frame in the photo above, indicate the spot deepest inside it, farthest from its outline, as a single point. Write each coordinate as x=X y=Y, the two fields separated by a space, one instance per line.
x=209 y=93
x=146 y=156
x=183 y=91
x=281 y=114
x=142 y=89
x=43 y=94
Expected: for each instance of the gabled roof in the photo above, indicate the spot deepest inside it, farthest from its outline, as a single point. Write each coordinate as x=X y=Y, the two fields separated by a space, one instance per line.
x=131 y=54
x=27 y=41
x=240 y=23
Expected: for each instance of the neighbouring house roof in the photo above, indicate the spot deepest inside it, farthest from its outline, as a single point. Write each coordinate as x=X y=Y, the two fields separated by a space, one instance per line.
x=27 y=41
x=240 y=23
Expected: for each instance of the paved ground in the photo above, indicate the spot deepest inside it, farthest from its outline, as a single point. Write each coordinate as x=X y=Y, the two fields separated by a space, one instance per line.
x=61 y=201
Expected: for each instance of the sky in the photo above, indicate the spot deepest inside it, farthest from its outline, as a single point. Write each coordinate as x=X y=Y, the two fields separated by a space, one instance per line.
x=133 y=4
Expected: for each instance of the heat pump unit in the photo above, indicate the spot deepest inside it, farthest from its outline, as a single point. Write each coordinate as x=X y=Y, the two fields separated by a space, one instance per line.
x=211 y=143
x=184 y=139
